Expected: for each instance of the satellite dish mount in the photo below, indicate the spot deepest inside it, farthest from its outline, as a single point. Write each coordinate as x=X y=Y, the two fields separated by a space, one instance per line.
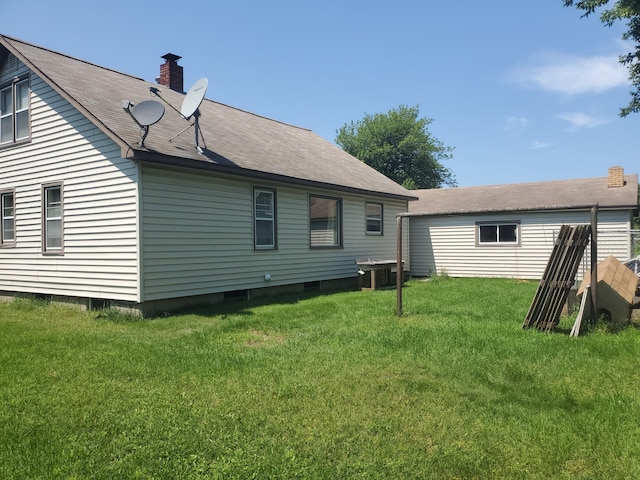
x=190 y=108
x=144 y=114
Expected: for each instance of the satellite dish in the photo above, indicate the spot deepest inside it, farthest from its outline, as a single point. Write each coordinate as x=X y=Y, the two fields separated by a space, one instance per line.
x=194 y=97
x=147 y=113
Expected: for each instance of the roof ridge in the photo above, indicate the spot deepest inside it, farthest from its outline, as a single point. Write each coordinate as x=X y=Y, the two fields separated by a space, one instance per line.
x=13 y=39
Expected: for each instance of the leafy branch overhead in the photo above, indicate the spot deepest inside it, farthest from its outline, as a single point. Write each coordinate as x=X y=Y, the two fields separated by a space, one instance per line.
x=399 y=145
x=621 y=10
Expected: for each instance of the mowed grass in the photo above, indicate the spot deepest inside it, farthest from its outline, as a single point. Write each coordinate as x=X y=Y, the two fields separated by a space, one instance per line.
x=319 y=387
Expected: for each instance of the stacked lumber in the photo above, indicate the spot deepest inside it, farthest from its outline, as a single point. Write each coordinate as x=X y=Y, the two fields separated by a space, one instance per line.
x=558 y=278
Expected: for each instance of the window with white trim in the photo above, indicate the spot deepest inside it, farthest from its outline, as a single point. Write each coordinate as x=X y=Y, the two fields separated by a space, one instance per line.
x=8 y=218
x=325 y=221
x=52 y=235
x=264 y=219
x=374 y=218
x=498 y=233
x=14 y=112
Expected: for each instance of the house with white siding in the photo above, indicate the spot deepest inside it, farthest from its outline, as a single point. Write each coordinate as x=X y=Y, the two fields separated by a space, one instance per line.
x=509 y=230
x=93 y=214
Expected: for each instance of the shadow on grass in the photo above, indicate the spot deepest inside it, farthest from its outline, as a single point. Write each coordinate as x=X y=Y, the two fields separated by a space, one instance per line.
x=229 y=307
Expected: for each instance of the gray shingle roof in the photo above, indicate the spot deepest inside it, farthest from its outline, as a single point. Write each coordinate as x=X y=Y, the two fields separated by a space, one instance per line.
x=236 y=141
x=552 y=195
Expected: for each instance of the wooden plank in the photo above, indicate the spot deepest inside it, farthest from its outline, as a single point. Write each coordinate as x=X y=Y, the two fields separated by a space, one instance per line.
x=575 y=330
x=552 y=292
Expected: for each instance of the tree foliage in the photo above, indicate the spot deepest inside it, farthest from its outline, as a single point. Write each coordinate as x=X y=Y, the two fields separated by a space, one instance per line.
x=621 y=10
x=399 y=145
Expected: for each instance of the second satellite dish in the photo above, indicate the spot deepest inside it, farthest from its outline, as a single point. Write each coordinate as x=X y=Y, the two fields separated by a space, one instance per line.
x=194 y=97
x=147 y=113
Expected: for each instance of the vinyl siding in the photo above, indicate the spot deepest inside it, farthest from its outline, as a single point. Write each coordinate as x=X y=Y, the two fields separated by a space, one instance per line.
x=99 y=206
x=448 y=244
x=198 y=236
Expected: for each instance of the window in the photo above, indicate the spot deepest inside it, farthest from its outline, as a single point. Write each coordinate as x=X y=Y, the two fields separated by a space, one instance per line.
x=7 y=212
x=374 y=218
x=325 y=221
x=52 y=223
x=498 y=233
x=14 y=112
x=264 y=215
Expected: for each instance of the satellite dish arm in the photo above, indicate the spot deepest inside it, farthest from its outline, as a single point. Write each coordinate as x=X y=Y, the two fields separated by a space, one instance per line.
x=156 y=92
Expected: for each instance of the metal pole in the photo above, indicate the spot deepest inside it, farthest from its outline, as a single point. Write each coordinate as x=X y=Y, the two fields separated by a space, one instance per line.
x=594 y=265
x=399 y=270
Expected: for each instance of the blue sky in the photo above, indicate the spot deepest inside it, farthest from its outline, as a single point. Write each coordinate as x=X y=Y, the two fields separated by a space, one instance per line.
x=522 y=90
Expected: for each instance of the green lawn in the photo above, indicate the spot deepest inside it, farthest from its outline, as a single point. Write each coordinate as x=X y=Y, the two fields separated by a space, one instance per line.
x=325 y=387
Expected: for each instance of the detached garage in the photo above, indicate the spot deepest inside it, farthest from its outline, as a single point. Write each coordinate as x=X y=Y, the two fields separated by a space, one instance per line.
x=509 y=230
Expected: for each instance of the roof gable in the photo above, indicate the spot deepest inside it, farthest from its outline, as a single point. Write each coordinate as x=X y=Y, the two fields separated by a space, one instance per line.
x=235 y=141
x=552 y=195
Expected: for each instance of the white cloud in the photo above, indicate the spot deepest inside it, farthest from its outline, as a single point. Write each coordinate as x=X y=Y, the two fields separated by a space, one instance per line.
x=537 y=145
x=580 y=120
x=571 y=75
x=515 y=124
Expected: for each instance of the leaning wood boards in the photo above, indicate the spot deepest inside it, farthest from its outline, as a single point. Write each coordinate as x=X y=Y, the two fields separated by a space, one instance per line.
x=558 y=277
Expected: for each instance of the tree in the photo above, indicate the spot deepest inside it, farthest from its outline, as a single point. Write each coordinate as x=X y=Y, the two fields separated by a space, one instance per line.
x=398 y=144
x=621 y=10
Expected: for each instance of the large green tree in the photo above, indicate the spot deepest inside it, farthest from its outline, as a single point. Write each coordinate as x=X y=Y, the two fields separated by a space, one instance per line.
x=620 y=10
x=399 y=145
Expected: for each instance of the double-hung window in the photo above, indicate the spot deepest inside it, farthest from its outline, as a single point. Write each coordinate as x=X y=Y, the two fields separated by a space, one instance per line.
x=374 y=218
x=325 y=221
x=264 y=219
x=52 y=231
x=8 y=220
x=499 y=233
x=14 y=112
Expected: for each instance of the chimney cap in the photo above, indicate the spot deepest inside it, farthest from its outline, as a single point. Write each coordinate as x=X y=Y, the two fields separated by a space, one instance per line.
x=170 y=57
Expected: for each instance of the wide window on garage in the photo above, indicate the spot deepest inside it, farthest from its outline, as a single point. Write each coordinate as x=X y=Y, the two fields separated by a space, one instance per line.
x=498 y=233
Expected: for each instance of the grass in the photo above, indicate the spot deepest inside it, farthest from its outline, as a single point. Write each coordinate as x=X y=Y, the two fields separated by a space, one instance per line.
x=333 y=386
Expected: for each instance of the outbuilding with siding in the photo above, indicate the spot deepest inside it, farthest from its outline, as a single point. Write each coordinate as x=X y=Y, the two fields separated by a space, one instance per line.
x=509 y=230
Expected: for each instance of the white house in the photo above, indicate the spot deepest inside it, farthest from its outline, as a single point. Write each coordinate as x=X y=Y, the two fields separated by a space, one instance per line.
x=509 y=230
x=92 y=213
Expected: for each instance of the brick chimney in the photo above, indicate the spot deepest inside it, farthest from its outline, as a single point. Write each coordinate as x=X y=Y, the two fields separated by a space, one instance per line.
x=171 y=74
x=616 y=177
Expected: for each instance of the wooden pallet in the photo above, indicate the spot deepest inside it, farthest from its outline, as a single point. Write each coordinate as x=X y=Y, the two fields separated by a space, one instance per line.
x=558 y=277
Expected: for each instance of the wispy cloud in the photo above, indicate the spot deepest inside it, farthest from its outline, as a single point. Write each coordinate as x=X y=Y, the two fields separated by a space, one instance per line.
x=538 y=145
x=580 y=120
x=515 y=124
x=571 y=75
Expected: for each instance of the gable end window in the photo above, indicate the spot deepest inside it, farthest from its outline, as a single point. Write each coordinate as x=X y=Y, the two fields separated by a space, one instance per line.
x=14 y=112
x=264 y=219
x=325 y=222
x=498 y=233
x=52 y=228
x=8 y=218
x=374 y=218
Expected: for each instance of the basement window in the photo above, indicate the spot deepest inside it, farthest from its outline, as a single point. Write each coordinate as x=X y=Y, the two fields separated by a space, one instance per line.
x=499 y=233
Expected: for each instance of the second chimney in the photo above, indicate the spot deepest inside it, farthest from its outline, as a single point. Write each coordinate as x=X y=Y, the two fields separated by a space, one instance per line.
x=171 y=74
x=615 y=178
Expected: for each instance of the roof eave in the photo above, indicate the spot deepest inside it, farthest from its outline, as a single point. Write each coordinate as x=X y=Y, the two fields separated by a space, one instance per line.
x=181 y=162
x=523 y=210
